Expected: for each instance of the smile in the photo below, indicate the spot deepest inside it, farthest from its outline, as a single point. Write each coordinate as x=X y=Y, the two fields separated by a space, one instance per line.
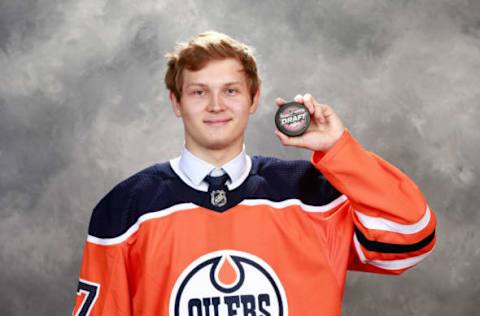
x=217 y=122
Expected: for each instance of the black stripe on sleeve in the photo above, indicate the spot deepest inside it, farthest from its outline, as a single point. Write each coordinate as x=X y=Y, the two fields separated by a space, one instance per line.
x=392 y=248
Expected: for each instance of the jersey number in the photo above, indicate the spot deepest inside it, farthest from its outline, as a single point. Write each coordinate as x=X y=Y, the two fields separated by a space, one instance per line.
x=91 y=291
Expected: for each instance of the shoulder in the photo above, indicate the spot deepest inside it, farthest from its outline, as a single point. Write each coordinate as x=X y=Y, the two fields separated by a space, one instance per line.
x=265 y=164
x=121 y=207
x=299 y=179
x=292 y=170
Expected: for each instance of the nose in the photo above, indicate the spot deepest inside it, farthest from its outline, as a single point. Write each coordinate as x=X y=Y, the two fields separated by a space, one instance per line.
x=216 y=103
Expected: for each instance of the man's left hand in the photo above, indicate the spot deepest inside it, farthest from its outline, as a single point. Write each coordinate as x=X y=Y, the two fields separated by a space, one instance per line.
x=325 y=126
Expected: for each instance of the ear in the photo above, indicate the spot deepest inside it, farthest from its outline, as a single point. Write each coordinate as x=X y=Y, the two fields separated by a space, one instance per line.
x=175 y=104
x=256 y=99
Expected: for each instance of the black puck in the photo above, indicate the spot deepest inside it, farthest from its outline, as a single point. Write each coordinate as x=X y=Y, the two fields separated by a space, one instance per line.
x=292 y=118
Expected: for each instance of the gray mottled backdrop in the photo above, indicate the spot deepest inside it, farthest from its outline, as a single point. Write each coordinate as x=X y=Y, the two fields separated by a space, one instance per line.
x=83 y=105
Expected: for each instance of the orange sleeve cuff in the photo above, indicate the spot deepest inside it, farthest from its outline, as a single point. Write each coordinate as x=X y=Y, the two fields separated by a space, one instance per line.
x=321 y=157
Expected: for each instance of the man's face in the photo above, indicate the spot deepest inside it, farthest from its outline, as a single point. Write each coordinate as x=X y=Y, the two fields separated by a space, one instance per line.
x=215 y=106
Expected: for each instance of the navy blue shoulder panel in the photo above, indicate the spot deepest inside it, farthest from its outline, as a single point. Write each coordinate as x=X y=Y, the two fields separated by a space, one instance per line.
x=142 y=192
x=158 y=187
x=278 y=180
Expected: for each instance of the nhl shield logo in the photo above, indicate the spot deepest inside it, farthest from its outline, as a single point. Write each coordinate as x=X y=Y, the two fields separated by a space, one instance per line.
x=218 y=198
x=228 y=282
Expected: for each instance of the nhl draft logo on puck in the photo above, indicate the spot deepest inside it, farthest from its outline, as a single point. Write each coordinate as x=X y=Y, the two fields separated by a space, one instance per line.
x=228 y=283
x=292 y=118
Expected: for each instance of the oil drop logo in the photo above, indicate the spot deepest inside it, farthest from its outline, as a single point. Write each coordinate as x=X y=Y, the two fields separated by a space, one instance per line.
x=228 y=283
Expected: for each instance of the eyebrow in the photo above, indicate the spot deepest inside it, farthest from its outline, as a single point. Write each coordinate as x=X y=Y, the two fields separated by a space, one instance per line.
x=204 y=85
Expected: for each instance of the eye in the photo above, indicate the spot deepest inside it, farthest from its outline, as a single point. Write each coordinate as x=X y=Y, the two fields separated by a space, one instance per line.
x=198 y=92
x=231 y=91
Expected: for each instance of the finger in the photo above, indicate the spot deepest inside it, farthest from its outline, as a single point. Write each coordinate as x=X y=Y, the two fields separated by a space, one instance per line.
x=319 y=114
x=282 y=137
x=289 y=141
x=298 y=98
x=327 y=110
x=279 y=134
x=308 y=102
x=280 y=101
x=315 y=101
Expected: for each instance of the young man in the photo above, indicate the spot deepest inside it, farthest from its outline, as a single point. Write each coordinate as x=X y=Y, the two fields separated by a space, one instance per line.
x=215 y=232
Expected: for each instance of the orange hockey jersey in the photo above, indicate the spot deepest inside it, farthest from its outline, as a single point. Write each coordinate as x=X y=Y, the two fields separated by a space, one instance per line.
x=281 y=245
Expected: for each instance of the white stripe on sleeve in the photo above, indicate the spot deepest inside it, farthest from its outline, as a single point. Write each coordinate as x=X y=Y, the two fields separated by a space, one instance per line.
x=379 y=223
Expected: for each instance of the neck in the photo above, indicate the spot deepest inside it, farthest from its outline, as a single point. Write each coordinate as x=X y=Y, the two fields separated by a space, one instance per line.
x=216 y=157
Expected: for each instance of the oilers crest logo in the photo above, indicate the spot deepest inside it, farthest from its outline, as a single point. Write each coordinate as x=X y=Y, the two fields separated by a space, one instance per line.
x=228 y=283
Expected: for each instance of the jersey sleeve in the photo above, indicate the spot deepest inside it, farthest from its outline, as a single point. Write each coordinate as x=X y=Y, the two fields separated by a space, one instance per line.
x=394 y=228
x=103 y=284
x=103 y=287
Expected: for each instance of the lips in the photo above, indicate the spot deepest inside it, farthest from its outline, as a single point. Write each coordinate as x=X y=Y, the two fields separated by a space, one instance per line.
x=217 y=121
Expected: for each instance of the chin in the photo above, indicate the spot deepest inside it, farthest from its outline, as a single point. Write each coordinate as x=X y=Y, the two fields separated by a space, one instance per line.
x=219 y=140
x=218 y=145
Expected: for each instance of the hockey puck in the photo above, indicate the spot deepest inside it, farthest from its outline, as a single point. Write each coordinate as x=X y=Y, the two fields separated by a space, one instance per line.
x=292 y=119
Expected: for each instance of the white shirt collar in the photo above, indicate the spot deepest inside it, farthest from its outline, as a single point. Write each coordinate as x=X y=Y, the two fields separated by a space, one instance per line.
x=192 y=170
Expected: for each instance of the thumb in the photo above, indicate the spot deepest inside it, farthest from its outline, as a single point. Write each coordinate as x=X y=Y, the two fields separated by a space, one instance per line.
x=289 y=141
